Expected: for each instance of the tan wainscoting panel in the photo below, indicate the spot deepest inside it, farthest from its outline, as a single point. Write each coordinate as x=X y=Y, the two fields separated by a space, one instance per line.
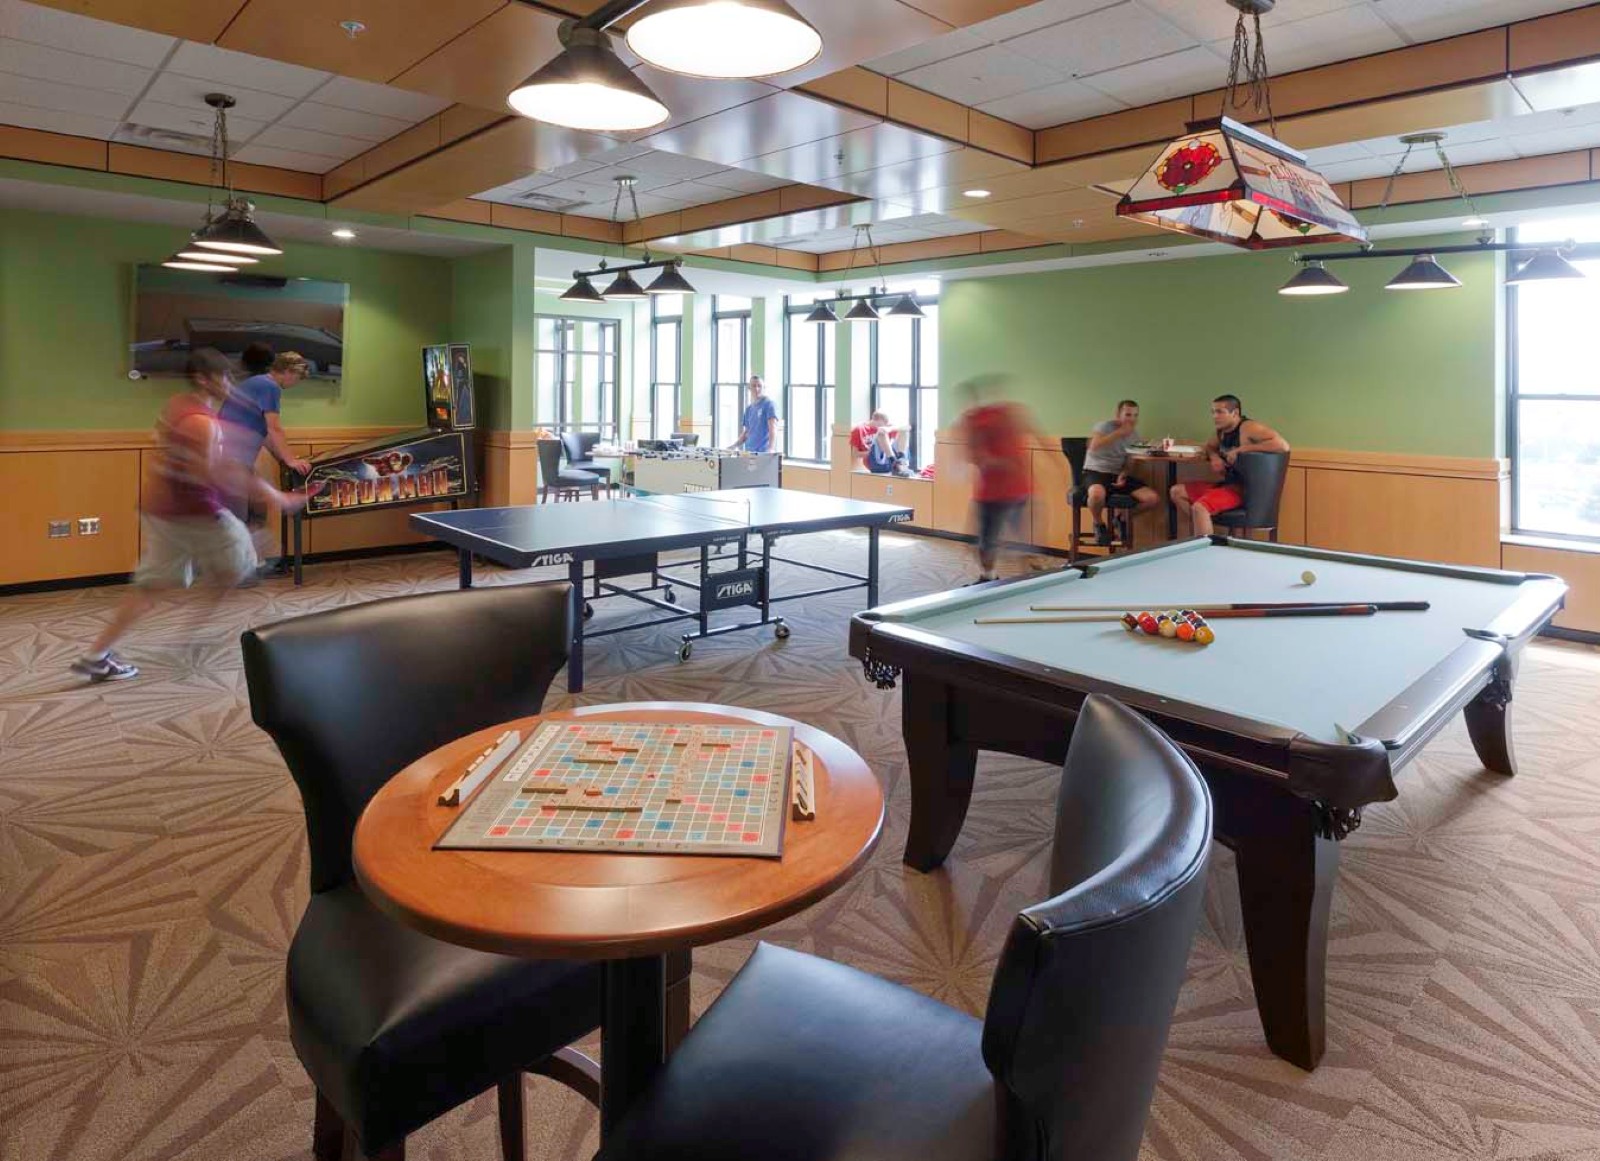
x=798 y=478
x=65 y=485
x=1581 y=571
x=510 y=471
x=914 y=494
x=842 y=461
x=1292 y=507
x=1050 y=514
x=1426 y=517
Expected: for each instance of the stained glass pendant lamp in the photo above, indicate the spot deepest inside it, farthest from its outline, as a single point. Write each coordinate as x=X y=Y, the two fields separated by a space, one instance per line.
x=1227 y=182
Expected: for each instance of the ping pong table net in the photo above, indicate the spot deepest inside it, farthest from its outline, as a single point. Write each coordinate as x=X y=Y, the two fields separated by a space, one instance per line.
x=722 y=509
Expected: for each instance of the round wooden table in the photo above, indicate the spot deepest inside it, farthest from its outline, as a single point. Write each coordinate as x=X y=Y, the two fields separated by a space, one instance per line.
x=640 y=914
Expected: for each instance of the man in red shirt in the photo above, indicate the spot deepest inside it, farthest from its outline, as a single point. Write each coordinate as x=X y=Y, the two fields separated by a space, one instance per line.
x=186 y=526
x=996 y=434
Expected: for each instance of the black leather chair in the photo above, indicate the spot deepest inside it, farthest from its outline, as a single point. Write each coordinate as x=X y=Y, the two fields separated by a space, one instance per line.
x=393 y=1026
x=1119 y=509
x=566 y=483
x=579 y=448
x=801 y=1059
x=687 y=438
x=1263 y=474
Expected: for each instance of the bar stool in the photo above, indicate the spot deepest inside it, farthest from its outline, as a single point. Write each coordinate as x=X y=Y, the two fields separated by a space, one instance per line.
x=1119 y=509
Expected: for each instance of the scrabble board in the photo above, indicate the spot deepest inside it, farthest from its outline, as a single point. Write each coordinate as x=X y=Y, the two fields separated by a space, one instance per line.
x=634 y=787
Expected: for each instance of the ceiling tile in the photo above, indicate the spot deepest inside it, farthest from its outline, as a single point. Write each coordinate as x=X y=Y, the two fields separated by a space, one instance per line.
x=1355 y=169
x=310 y=141
x=195 y=120
x=223 y=67
x=343 y=122
x=1032 y=17
x=1555 y=141
x=985 y=74
x=772 y=123
x=1053 y=105
x=57 y=121
x=52 y=64
x=741 y=181
x=1102 y=40
x=285 y=159
x=1175 y=75
x=696 y=193
x=939 y=48
x=190 y=93
x=1338 y=35
x=380 y=100
x=1432 y=19
x=658 y=163
x=64 y=98
x=1206 y=20
x=66 y=30
x=1338 y=154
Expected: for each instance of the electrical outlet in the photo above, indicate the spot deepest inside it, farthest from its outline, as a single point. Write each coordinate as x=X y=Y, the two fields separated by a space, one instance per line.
x=88 y=526
x=59 y=529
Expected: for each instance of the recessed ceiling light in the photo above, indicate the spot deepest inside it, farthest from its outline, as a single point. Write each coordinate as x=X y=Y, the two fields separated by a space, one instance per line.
x=352 y=28
x=344 y=233
x=974 y=193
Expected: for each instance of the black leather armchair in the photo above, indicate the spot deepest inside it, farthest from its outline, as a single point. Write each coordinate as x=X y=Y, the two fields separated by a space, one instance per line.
x=1264 y=474
x=393 y=1026
x=1119 y=508
x=801 y=1059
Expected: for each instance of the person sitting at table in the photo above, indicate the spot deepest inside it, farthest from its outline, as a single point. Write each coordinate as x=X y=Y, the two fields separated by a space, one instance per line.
x=1105 y=468
x=1237 y=434
x=880 y=448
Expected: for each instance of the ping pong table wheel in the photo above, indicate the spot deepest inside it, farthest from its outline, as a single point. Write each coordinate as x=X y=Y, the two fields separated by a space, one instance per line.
x=781 y=631
x=685 y=651
x=588 y=610
x=669 y=596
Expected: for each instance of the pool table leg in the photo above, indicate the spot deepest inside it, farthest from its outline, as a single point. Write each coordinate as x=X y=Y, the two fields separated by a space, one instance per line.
x=1287 y=869
x=1489 y=719
x=941 y=771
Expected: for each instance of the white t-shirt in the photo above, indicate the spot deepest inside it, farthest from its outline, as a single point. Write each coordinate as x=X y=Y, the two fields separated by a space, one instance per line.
x=1109 y=457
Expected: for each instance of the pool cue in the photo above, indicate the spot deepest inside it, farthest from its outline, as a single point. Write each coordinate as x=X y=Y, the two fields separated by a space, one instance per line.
x=1219 y=615
x=1380 y=606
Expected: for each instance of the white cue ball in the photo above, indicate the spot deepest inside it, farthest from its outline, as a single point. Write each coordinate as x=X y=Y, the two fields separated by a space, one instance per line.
x=1308 y=577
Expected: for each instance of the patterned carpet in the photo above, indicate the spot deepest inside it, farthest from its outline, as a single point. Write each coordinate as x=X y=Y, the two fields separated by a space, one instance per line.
x=152 y=869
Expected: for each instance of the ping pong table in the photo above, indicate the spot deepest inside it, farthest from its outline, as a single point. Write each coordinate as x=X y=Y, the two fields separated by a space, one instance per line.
x=602 y=542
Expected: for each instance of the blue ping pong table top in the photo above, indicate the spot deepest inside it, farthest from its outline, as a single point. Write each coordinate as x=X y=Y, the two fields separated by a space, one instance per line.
x=530 y=535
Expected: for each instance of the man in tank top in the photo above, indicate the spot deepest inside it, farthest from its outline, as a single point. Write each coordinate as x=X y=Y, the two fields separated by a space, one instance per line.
x=1237 y=435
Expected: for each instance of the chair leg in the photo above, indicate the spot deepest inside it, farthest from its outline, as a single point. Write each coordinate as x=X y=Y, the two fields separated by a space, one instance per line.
x=572 y=1068
x=511 y=1119
x=327 y=1132
x=1075 y=533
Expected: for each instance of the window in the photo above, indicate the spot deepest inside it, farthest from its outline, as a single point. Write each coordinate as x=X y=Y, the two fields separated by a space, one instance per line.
x=666 y=367
x=730 y=365
x=578 y=361
x=905 y=372
x=1553 y=420
x=808 y=372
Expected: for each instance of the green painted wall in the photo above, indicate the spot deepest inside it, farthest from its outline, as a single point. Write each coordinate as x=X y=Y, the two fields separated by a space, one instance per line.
x=482 y=305
x=1371 y=370
x=66 y=303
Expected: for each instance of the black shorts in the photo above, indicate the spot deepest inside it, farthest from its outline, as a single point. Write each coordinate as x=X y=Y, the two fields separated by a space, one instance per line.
x=1108 y=481
x=994 y=517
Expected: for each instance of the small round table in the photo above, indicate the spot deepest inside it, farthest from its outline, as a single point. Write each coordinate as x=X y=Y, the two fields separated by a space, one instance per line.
x=640 y=914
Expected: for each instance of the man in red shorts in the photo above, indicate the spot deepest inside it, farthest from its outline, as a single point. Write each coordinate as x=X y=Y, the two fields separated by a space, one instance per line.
x=1237 y=435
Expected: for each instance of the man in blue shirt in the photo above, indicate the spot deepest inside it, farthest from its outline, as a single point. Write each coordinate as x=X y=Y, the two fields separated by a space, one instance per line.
x=759 y=429
x=250 y=414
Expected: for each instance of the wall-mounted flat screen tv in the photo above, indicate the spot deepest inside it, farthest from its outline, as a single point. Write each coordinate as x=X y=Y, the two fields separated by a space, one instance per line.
x=176 y=311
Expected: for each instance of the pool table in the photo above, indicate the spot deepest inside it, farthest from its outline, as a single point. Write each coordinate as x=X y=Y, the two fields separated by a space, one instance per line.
x=1297 y=724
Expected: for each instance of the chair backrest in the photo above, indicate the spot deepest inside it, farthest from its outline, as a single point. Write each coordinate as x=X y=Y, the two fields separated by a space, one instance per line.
x=1076 y=449
x=549 y=461
x=572 y=445
x=586 y=444
x=353 y=695
x=687 y=438
x=1087 y=981
x=1263 y=474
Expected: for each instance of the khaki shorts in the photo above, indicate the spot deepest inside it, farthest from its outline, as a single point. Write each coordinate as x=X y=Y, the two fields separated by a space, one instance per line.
x=176 y=548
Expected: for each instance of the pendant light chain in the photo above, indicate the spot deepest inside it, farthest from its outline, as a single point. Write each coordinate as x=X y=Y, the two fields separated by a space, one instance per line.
x=1251 y=64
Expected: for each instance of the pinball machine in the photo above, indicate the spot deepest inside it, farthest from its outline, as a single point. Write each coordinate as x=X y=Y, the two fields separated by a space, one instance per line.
x=425 y=466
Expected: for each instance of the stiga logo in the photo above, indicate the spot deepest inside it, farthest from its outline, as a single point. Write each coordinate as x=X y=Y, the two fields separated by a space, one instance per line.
x=736 y=590
x=550 y=558
x=742 y=586
x=903 y=518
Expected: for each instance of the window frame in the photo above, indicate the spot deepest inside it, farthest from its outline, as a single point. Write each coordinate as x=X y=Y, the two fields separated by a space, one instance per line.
x=1584 y=251
x=569 y=355
x=825 y=389
x=915 y=447
x=719 y=438
x=675 y=324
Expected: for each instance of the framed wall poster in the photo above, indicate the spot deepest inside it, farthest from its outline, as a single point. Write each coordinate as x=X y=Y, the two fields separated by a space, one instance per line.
x=461 y=383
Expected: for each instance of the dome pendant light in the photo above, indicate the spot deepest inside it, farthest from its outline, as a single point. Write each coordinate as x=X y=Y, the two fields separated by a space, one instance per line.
x=670 y=281
x=587 y=87
x=1545 y=266
x=624 y=288
x=195 y=254
x=582 y=291
x=206 y=266
x=724 y=39
x=1314 y=278
x=822 y=313
x=862 y=311
x=1423 y=274
x=906 y=308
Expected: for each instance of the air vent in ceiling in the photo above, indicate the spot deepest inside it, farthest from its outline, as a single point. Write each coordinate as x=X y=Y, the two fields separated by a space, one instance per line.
x=539 y=201
x=164 y=138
